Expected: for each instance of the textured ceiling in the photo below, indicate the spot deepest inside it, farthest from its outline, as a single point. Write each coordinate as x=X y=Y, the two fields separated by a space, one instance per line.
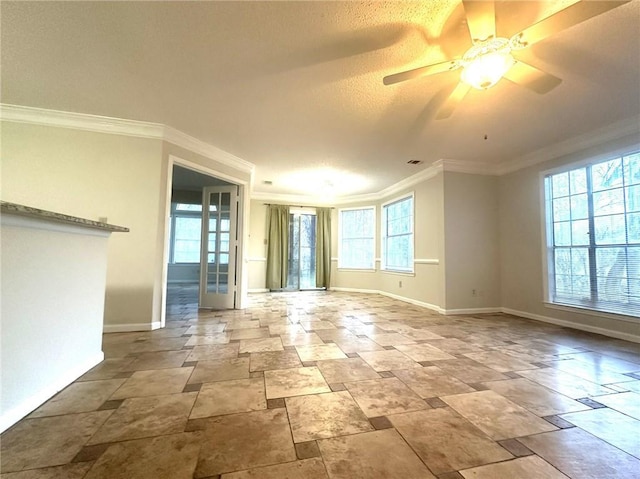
x=296 y=87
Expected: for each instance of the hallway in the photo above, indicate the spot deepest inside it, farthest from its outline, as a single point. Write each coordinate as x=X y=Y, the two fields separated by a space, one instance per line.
x=340 y=385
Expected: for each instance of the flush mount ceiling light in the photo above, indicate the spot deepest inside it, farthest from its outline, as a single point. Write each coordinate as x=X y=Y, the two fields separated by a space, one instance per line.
x=491 y=58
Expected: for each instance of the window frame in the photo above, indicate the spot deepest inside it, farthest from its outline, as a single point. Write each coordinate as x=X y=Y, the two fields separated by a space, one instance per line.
x=175 y=213
x=384 y=237
x=373 y=238
x=592 y=307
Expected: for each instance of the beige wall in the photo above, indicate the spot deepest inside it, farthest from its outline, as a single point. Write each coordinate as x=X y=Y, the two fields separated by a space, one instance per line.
x=472 y=248
x=93 y=175
x=257 y=254
x=425 y=286
x=97 y=175
x=521 y=237
x=456 y=241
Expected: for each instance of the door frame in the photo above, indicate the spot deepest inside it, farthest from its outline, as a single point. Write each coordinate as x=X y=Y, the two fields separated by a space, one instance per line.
x=242 y=273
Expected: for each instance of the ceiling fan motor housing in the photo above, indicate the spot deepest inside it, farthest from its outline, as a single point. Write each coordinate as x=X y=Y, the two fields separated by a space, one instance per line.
x=486 y=62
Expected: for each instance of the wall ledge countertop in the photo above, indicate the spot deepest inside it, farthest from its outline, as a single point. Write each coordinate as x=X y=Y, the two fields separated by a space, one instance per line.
x=30 y=212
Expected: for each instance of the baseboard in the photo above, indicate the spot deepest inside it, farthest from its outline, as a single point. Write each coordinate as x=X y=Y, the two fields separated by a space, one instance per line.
x=258 y=290
x=570 y=324
x=127 y=328
x=12 y=416
x=354 y=290
x=430 y=306
x=472 y=311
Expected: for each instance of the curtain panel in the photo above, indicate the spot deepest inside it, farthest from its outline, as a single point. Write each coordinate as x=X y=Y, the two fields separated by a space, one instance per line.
x=323 y=247
x=277 y=246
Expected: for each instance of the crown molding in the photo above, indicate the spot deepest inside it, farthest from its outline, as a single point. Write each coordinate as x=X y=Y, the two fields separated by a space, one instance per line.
x=470 y=167
x=614 y=131
x=430 y=172
x=118 y=126
x=80 y=121
x=363 y=198
x=205 y=149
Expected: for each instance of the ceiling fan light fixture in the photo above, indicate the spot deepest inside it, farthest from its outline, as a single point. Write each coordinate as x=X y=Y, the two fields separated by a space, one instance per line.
x=485 y=63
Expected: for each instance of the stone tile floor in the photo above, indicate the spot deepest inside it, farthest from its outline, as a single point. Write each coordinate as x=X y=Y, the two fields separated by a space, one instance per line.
x=338 y=385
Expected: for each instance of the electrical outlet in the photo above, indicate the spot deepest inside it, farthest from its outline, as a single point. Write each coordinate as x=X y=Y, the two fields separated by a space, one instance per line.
x=400 y=284
x=474 y=293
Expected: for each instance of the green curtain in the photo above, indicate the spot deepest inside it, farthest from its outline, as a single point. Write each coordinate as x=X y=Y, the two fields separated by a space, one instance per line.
x=277 y=246
x=323 y=247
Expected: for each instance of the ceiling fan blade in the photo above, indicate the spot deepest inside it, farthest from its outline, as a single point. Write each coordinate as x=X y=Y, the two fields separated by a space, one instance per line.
x=453 y=101
x=420 y=72
x=481 y=19
x=572 y=15
x=532 y=78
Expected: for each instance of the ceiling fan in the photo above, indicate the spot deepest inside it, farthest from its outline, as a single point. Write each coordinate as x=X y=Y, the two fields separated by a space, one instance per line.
x=491 y=58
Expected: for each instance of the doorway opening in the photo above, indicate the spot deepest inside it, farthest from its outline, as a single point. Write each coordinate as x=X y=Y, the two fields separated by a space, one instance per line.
x=203 y=241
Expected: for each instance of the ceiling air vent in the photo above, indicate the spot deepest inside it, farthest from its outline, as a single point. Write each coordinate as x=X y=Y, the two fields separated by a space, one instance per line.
x=414 y=162
x=267 y=182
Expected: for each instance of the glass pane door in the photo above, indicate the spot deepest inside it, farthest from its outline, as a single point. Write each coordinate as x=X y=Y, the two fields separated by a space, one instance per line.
x=219 y=246
x=302 y=252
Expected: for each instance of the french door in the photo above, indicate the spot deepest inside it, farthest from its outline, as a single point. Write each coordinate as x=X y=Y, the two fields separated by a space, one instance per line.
x=219 y=247
x=302 y=252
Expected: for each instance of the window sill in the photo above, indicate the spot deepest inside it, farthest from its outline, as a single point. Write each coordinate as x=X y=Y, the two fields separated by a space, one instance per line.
x=592 y=312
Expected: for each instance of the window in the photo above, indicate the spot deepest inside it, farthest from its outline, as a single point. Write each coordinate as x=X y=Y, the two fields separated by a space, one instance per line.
x=397 y=235
x=593 y=235
x=186 y=232
x=357 y=238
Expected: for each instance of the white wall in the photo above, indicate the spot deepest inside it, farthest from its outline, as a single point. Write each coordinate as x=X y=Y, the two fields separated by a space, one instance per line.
x=521 y=252
x=52 y=289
